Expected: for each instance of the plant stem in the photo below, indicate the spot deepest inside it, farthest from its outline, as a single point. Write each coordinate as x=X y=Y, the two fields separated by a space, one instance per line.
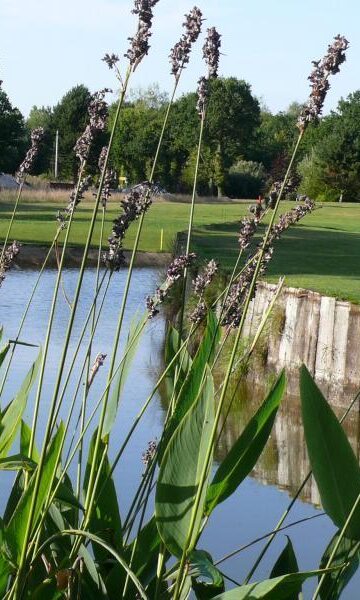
x=11 y=220
x=29 y=525
x=207 y=461
x=88 y=357
x=191 y=221
x=26 y=313
x=333 y=553
x=88 y=507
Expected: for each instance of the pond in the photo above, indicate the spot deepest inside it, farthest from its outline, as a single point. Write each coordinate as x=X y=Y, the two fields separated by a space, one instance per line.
x=260 y=501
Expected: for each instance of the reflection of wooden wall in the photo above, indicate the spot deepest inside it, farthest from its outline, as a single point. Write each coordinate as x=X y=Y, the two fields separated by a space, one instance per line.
x=321 y=332
x=284 y=462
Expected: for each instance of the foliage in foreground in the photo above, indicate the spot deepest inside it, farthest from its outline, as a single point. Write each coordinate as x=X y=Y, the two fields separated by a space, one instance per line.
x=64 y=538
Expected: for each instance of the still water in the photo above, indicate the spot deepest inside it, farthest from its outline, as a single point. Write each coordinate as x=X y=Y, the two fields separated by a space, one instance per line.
x=257 y=506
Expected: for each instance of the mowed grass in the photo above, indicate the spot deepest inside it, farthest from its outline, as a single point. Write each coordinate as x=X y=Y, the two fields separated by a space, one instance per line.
x=320 y=253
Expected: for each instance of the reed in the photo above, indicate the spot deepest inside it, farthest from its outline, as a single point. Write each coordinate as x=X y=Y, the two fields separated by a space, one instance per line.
x=60 y=541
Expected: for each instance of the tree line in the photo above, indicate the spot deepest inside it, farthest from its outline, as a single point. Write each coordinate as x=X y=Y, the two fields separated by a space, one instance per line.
x=245 y=149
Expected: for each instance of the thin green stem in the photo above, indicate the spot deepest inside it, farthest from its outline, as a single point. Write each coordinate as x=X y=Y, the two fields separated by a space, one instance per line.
x=88 y=357
x=23 y=318
x=207 y=461
x=88 y=506
x=6 y=239
x=39 y=469
x=191 y=222
x=336 y=546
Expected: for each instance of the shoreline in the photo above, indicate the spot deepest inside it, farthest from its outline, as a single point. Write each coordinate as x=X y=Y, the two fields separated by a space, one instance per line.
x=31 y=256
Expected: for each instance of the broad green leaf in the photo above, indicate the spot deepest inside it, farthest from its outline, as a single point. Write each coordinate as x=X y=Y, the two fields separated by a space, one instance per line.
x=279 y=588
x=3 y=353
x=335 y=582
x=244 y=454
x=25 y=436
x=5 y=572
x=181 y=364
x=14 y=497
x=180 y=473
x=11 y=417
x=143 y=553
x=96 y=539
x=334 y=464
x=16 y=463
x=15 y=531
x=207 y=580
x=286 y=563
x=193 y=378
x=132 y=343
x=105 y=517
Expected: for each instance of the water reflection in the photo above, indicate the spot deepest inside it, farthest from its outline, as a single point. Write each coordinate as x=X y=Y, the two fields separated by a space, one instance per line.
x=284 y=462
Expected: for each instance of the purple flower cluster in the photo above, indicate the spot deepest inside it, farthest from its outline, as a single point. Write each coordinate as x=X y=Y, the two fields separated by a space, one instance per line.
x=111 y=60
x=139 y=46
x=109 y=177
x=328 y=65
x=136 y=203
x=211 y=54
x=98 y=113
x=174 y=272
x=180 y=53
x=202 y=95
x=27 y=164
x=8 y=258
x=202 y=281
x=248 y=229
x=150 y=452
x=237 y=296
x=98 y=362
x=77 y=194
x=211 y=51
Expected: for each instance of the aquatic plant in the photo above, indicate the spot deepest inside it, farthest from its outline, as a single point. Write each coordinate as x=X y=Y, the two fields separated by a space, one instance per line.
x=66 y=539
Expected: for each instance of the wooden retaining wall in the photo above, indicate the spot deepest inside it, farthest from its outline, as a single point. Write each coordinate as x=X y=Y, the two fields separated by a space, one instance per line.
x=306 y=327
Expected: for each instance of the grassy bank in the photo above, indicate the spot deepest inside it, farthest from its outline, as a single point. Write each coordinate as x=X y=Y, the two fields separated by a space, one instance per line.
x=320 y=254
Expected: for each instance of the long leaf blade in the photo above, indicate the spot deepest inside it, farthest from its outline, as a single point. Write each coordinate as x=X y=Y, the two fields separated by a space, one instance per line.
x=279 y=588
x=245 y=452
x=11 y=418
x=335 y=467
x=15 y=531
x=180 y=473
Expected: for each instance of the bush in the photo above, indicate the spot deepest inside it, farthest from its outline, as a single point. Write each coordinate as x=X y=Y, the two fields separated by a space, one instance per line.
x=246 y=179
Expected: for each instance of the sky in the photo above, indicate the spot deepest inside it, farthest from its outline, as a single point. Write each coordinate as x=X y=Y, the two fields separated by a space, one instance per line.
x=48 y=46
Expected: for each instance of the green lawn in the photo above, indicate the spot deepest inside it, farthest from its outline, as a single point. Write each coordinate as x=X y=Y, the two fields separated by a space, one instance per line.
x=321 y=253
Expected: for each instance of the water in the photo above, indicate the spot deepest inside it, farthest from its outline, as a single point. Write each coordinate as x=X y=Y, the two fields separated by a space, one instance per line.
x=257 y=506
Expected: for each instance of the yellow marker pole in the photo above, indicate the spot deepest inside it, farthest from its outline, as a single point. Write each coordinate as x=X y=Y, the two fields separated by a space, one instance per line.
x=161 y=239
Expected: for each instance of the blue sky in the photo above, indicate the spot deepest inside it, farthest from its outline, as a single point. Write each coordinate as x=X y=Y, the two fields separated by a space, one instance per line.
x=47 y=46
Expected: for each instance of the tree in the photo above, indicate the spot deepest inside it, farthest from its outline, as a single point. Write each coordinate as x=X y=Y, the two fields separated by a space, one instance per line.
x=332 y=168
x=275 y=139
x=232 y=116
x=69 y=118
x=12 y=135
x=43 y=117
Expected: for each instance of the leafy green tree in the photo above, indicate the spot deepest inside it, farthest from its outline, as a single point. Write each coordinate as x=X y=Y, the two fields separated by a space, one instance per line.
x=135 y=141
x=43 y=117
x=69 y=118
x=332 y=168
x=275 y=139
x=12 y=135
x=233 y=114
